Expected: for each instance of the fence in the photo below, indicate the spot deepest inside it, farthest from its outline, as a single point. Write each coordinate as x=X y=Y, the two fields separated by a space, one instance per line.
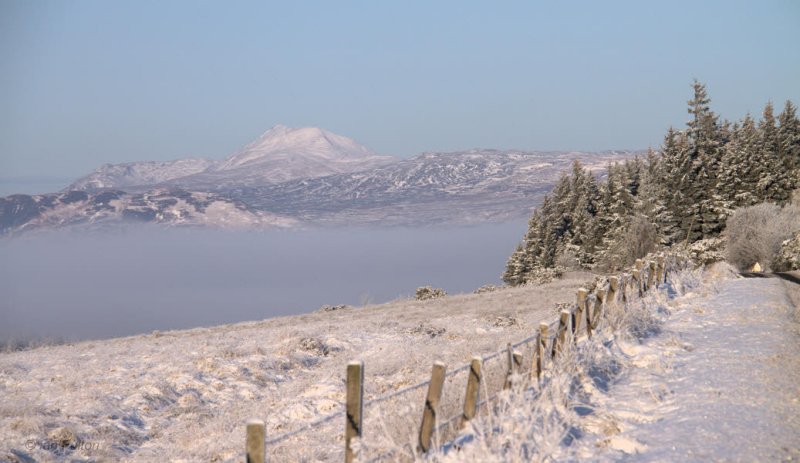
x=444 y=410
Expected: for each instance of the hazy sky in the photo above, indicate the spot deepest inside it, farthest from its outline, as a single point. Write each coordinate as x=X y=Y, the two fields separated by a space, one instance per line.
x=88 y=82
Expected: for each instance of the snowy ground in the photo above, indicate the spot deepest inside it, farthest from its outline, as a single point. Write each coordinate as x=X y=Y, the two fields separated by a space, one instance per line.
x=705 y=369
x=186 y=395
x=719 y=381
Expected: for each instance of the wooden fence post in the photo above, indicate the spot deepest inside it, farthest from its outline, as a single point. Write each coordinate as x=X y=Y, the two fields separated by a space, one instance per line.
x=354 y=407
x=514 y=365
x=599 y=300
x=540 y=350
x=563 y=329
x=473 y=391
x=256 y=436
x=509 y=366
x=651 y=276
x=580 y=312
x=613 y=287
x=431 y=406
x=637 y=278
x=624 y=284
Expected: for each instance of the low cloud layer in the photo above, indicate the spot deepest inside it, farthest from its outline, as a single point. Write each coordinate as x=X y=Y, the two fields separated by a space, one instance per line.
x=98 y=285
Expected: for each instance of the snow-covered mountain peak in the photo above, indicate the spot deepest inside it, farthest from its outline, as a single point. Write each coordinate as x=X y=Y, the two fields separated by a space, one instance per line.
x=281 y=153
x=307 y=142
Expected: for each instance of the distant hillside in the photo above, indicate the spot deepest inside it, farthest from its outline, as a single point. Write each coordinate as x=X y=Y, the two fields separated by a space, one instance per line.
x=279 y=154
x=305 y=177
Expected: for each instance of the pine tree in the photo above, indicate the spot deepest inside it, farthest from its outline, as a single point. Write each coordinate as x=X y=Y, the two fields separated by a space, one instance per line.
x=739 y=170
x=647 y=197
x=705 y=140
x=769 y=186
x=583 y=202
x=683 y=193
x=515 y=271
x=789 y=146
x=673 y=216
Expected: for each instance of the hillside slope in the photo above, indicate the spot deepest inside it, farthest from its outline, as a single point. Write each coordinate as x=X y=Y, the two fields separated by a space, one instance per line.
x=185 y=395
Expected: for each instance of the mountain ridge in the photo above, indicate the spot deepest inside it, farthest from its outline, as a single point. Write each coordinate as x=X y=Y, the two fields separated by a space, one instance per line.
x=306 y=177
x=280 y=154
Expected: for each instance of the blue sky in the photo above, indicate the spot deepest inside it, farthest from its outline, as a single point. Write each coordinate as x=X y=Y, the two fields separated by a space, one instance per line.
x=89 y=82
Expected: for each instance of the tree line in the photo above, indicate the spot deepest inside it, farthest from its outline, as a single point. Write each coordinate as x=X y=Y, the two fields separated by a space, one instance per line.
x=682 y=193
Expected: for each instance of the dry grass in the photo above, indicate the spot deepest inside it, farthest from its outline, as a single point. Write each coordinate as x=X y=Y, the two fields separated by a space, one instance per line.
x=185 y=395
x=537 y=422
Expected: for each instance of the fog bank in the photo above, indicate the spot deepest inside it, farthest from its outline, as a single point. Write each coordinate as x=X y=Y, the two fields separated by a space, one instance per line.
x=98 y=285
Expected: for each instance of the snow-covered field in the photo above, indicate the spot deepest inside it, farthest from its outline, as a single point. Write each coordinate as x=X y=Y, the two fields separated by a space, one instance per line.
x=186 y=395
x=705 y=369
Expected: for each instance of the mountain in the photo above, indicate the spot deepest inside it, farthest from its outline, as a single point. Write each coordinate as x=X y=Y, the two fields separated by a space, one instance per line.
x=432 y=188
x=22 y=213
x=453 y=188
x=135 y=175
x=305 y=177
x=278 y=155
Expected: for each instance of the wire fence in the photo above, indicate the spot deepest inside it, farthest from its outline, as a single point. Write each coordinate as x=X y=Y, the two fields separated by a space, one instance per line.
x=394 y=418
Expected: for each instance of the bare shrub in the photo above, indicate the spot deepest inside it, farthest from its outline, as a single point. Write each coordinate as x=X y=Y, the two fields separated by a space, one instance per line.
x=424 y=293
x=639 y=239
x=568 y=259
x=756 y=233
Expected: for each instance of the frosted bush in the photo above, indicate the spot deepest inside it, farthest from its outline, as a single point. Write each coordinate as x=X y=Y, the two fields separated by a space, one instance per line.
x=789 y=256
x=424 y=293
x=427 y=330
x=541 y=275
x=756 y=234
x=486 y=289
x=504 y=321
x=315 y=346
x=331 y=308
x=707 y=251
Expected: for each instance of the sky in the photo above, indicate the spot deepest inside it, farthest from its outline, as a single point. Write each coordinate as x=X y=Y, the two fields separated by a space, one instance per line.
x=90 y=82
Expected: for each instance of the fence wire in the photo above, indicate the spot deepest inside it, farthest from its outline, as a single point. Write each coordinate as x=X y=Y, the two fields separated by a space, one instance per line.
x=394 y=418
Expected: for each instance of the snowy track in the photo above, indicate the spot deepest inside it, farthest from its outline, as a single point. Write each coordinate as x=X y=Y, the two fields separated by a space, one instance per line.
x=719 y=382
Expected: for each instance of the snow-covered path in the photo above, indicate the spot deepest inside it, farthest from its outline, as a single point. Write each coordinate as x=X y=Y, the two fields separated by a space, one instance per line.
x=719 y=382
